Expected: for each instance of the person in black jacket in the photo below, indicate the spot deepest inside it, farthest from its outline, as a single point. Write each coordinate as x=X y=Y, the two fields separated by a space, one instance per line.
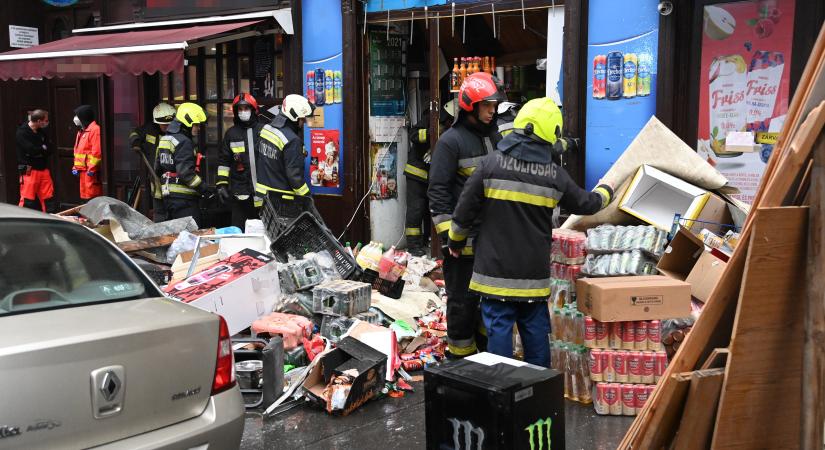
x=236 y=162
x=513 y=194
x=36 y=186
x=144 y=141
x=454 y=159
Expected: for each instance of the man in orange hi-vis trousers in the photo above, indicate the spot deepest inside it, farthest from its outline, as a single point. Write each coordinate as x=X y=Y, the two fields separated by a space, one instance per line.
x=87 y=153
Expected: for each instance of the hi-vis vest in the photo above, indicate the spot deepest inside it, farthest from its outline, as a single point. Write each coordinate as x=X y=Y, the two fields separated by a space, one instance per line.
x=280 y=161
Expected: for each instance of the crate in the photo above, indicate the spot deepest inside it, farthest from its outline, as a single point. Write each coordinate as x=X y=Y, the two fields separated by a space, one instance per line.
x=304 y=235
x=390 y=289
x=280 y=210
x=341 y=297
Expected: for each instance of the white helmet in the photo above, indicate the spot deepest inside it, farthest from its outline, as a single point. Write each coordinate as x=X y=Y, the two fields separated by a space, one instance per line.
x=163 y=114
x=296 y=107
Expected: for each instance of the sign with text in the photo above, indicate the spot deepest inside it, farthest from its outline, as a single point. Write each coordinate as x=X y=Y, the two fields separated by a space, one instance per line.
x=23 y=37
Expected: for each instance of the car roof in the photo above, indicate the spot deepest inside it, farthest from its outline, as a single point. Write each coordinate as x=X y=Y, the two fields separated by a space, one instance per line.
x=8 y=211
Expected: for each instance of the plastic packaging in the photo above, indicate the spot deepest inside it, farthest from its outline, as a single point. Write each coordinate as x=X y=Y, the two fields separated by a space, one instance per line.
x=370 y=256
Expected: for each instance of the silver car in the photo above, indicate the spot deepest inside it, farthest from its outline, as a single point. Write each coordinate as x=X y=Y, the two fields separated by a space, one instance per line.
x=93 y=356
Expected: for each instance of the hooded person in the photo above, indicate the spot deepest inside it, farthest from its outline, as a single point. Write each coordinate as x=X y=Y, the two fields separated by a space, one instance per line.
x=87 y=153
x=144 y=141
x=237 y=174
x=511 y=197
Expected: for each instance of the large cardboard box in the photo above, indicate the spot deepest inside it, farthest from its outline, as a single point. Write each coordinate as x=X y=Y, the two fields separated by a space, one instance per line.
x=655 y=197
x=352 y=357
x=240 y=288
x=715 y=216
x=681 y=255
x=619 y=299
x=705 y=275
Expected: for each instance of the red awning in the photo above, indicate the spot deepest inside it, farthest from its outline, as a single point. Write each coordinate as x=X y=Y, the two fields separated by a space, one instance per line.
x=133 y=52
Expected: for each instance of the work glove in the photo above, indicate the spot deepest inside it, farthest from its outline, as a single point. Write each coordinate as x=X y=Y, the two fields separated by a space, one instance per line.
x=223 y=194
x=90 y=173
x=75 y=172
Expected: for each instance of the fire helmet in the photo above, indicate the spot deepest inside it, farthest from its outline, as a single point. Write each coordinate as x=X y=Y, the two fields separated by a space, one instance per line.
x=163 y=113
x=479 y=87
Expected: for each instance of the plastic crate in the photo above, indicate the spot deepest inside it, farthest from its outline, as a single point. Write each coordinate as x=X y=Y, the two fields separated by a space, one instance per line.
x=304 y=235
x=280 y=210
x=390 y=289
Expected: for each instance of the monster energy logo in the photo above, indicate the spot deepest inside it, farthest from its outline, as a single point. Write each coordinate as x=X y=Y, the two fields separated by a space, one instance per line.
x=536 y=430
x=469 y=432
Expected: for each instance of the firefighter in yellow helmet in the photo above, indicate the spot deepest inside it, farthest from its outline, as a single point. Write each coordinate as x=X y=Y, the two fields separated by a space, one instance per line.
x=181 y=184
x=513 y=192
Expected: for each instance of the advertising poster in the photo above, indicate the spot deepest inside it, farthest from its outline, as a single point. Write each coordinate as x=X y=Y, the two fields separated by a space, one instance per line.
x=385 y=171
x=386 y=74
x=622 y=51
x=744 y=84
x=323 y=158
x=323 y=81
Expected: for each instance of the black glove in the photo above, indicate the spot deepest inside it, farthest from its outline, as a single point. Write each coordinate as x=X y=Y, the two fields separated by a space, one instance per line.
x=223 y=194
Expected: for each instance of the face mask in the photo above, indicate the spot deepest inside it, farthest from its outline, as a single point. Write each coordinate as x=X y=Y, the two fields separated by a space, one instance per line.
x=244 y=116
x=77 y=121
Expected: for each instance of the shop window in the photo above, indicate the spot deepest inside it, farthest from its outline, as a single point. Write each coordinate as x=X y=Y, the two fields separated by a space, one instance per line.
x=212 y=125
x=211 y=79
x=177 y=85
x=164 y=87
x=243 y=73
x=228 y=117
x=192 y=84
x=279 y=77
x=227 y=79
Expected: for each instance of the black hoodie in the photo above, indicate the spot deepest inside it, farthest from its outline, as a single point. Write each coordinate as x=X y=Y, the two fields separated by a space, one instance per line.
x=86 y=115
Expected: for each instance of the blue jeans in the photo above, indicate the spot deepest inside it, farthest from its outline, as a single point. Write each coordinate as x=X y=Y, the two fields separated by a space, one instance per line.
x=533 y=321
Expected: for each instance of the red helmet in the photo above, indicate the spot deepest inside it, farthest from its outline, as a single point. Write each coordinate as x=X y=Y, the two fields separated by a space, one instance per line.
x=478 y=87
x=244 y=99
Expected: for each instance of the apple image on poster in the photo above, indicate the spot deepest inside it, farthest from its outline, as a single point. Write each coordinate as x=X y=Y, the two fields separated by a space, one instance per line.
x=719 y=24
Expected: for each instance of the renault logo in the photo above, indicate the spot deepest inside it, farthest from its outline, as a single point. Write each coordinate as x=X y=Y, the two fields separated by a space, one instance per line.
x=108 y=391
x=109 y=386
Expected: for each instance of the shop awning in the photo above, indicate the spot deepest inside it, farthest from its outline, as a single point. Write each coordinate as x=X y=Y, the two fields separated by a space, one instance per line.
x=133 y=52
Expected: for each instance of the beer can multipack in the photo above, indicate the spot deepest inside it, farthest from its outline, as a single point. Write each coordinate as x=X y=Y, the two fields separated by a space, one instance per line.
x=620 y=399
x=638 y=335
x=619 y=75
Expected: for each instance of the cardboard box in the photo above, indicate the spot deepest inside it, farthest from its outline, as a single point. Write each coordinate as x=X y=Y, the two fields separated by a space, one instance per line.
x=740 y=142
x=715 y=214
x=206 y=258
x=366 y=364
x=705 y=275
x=655 y=197
x=240 y=288
x=341 y=297
x=619 y=299
x=681 y=255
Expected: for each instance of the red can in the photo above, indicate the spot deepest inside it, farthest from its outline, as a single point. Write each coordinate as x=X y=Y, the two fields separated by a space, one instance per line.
x=596 y=367
x=599 y=76
x=620 y=366
x=634 y=367
x=609 y=373
x=654 y=335
x=641 y=396
x=650 y=390
x=628 y=336
x=589 y=332
x=613 y=399
x=601 y=334
x=615 y=335
x=641 y=335
x=413 y=365
x=628 y=392
x=599 y=402
x=408 y=356
x=648 y=367
x=661 y=365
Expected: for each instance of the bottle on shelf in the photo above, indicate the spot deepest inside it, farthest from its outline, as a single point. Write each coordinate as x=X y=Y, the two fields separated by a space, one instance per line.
x=463 y=70
x=486 y=65
x=455 y=76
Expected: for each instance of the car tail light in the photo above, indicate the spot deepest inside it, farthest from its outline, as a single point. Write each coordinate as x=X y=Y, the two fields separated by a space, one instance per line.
x=224 y=366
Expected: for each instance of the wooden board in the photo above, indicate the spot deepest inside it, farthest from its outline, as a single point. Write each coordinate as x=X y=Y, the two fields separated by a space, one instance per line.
x=665 y=427
x=159 y=241
x=764 y=369
x=696 y=427
x=717 y=359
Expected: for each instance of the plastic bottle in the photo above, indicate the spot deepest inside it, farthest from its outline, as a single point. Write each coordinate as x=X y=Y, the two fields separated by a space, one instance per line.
x=462 y=71
x=386 y=263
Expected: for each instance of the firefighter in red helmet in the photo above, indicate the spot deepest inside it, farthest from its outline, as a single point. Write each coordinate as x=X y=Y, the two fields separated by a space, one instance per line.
x=456 y=155
x=236 y=163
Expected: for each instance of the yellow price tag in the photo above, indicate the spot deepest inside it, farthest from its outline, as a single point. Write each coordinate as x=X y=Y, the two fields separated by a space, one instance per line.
x=763 y=137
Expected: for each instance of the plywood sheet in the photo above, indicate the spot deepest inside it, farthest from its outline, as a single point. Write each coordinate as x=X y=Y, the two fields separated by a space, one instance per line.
x=696 y=427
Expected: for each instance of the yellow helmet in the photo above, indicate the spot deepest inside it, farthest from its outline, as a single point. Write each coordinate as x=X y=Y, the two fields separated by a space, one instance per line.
x=541 y=118
x=190 y=114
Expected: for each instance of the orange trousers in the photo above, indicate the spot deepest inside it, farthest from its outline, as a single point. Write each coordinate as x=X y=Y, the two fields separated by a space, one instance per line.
x=36 y=189
x=90 y=186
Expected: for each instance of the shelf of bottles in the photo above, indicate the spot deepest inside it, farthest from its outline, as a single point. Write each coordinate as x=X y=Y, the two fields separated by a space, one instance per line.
x=466 y=66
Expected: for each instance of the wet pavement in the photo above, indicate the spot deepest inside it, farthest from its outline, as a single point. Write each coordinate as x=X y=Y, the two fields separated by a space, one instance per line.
x=398 y=423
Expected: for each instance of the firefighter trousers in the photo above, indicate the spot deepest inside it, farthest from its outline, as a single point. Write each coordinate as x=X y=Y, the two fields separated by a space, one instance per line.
x=465 y=332
x=242 y=210
x=159 y=213
x=177 y=207
x=417 y=221
x=37 y=190
x=533 y=321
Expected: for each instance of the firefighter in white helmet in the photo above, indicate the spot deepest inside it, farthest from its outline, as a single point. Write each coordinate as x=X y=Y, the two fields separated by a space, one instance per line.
x=144 y=141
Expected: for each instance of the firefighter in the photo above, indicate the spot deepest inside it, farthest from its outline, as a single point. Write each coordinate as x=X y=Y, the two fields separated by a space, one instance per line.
x=456 y=156
x=236 y=162
x=144 y=141
x=36 y=186
x=281 y=153
x=417 y=173
x=506 y=115
x=87 y=153
x=181 y=185
x=512 y=194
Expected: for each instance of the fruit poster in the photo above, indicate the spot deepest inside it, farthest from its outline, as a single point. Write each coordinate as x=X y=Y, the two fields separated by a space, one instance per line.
x=324 y=161
x=384 y=158
x=744 y=85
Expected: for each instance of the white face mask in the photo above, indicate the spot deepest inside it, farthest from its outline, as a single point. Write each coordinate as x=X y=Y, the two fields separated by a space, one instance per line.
x=77 y=121
x=244 y=116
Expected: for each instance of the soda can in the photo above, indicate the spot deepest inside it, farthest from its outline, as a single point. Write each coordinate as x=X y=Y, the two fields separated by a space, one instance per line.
x=641 y=334
x=628 y=336
x=599 y=403
x=648 y=367
x=641 y=396
x=661 y=366
x=337 y=86
x=589 y=332
x=413 y=365
x=601 y=334
x=644 y=78
x=650 y=390
x=609 y=373
x=630 y=72
x=408 y=356
x=596 y=367
x=634 y=367
x=654 y=335
x=319 y=87
x=311 y=86
x=599 y=76
x=329 y=86
x=628 y=393
x=613 y=399
x=620 y=366
x=615 y=335
x=615 y=70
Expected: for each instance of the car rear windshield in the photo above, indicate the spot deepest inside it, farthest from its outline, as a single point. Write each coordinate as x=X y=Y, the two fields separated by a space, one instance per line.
x=49 y=264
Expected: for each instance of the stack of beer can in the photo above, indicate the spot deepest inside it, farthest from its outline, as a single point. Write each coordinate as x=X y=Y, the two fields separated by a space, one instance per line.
x=568 y=353
x=567 y=255
x=625 y=361
x=623 y=250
